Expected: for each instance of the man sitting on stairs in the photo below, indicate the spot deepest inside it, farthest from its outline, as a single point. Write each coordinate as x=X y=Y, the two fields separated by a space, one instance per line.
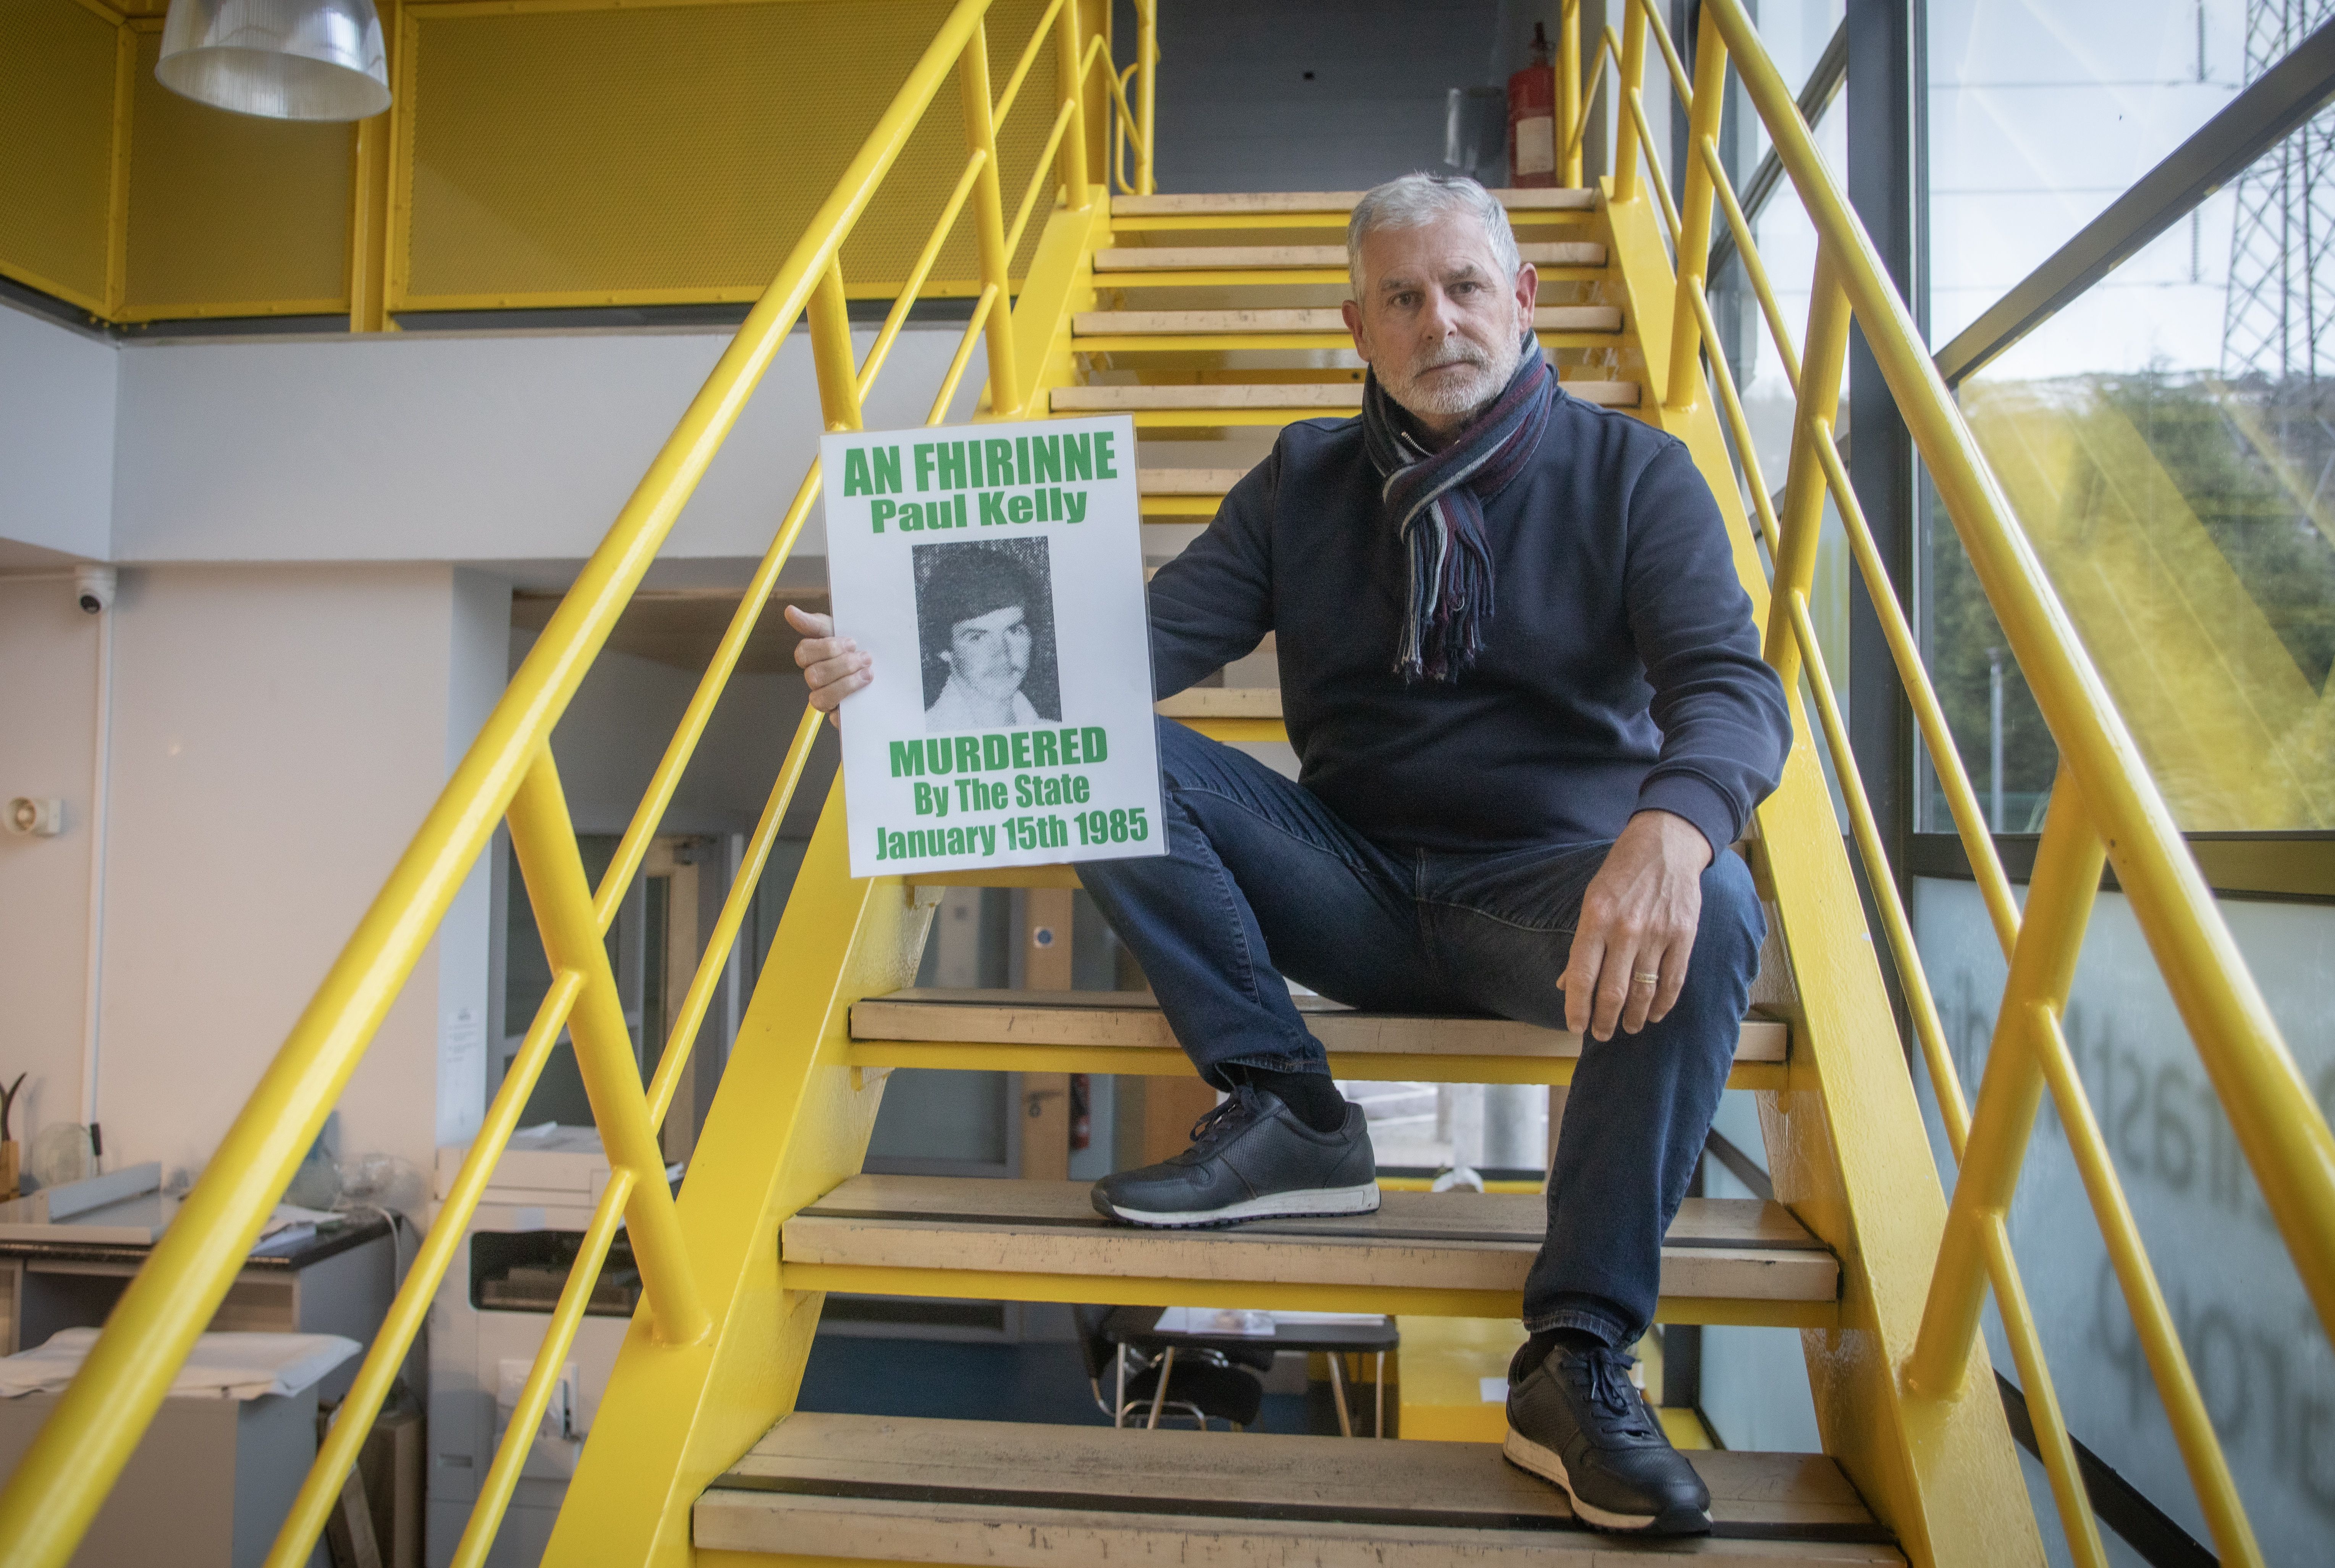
x=1525 y=691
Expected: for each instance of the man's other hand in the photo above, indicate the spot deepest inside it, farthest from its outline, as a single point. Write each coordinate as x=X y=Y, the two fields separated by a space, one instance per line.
x=1638 y=918
x=833 y=667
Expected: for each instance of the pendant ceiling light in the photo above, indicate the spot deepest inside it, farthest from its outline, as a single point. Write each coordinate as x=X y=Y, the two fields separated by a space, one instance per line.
x=281 y=59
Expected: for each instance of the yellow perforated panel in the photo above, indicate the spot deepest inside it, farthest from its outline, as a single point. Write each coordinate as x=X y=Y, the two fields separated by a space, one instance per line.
x=628 y=156
x=56 y=139
x=230 y=215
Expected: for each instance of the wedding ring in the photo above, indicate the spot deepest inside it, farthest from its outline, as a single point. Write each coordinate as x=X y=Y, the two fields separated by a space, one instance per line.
x=1646 y=977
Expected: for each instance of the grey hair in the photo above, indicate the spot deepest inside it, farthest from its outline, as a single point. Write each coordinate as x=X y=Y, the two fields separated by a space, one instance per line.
x=1416 y=199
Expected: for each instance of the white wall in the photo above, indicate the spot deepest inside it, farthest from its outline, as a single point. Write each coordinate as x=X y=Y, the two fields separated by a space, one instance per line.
x=48 y=706
x=487 y=448
x=56 y=436
x=278 y=733
x=480 y=625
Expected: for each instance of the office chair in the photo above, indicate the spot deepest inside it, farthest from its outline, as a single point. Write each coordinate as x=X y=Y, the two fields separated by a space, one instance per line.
x=1204 y=1384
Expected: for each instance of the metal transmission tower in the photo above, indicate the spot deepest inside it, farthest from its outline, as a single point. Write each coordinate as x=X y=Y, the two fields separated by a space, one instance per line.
x=2277 y=320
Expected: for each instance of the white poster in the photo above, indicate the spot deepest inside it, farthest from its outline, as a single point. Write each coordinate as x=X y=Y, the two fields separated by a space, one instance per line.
x=996 y=574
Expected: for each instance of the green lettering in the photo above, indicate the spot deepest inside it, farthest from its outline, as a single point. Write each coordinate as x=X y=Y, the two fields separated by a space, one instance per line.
x=968 y=754
x=1071 y=758
x=1017 y=509
x=887 y=468
x=1077 y=462
x=999 y=453
x=1097 y=745
x=1045 y=458
x=879 y=510
x=1021 y=748
x=995 y=753
x=941 y=756
x=923 y=451
x=855 y=473
x=907 y=760
x=951 y=467
x=992 y=508
x=1103 y=470
x=1042 y=748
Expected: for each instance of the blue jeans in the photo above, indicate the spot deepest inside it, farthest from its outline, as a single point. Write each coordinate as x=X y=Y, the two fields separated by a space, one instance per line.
x=1262 y=880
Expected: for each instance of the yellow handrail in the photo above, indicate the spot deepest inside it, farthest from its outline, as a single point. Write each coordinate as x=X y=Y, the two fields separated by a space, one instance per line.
x=2106 y=806
x=59 y=1484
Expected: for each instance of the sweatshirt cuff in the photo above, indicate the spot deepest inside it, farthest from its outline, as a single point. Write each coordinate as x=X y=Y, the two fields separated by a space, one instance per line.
x=1700 y=802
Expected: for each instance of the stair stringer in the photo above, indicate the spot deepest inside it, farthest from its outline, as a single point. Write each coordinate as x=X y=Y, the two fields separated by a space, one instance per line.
x=791 y=1121
x=1846 y=1143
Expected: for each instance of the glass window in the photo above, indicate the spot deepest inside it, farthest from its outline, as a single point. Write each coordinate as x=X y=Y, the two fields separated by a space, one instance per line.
x=2168 y=446
x=2043 y=112
x=2262 y=1361
x=1795 y=32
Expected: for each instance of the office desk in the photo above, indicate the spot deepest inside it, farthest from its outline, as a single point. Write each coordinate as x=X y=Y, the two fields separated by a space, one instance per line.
x=337 y=1282
x=1137 y=1329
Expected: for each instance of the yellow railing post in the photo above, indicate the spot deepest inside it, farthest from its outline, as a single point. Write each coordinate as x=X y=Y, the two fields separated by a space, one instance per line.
x=1074 y=92
x=1569 y=92
x=1801 y=522
x=2060 y=897
x=830 y=351
x=1146 y=88
x=989 y=218
x=544 y=839
x=1694 y=217
x=1630 y=92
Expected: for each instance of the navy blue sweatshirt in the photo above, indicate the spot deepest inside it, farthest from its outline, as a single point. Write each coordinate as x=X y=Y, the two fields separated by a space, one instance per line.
x=1621 y=674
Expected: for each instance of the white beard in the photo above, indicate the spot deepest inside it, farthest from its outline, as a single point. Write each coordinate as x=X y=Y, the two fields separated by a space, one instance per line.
x=1451 y=395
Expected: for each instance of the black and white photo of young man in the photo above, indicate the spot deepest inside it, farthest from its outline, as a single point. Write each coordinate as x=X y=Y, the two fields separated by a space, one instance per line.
x=986 y=622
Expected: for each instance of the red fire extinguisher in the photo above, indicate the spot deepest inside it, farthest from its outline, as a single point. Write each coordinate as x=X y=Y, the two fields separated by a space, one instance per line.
x=1532 y=118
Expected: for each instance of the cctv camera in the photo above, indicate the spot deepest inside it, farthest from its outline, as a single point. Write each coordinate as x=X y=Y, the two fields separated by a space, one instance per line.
x=94 y=588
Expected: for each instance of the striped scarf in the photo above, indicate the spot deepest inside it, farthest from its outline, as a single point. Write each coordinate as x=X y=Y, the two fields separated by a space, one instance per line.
x=1435 y=503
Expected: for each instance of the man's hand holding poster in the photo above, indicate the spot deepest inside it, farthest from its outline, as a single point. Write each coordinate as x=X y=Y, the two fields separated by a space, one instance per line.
x=994 y=574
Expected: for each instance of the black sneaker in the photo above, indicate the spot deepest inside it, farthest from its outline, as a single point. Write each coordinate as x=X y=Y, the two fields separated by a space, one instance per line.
x=1251 y=1159
x=1576 y=1420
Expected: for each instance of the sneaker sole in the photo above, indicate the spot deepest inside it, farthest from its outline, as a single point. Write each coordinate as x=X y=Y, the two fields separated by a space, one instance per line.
x=1306 y=1203
x=1526 y=1455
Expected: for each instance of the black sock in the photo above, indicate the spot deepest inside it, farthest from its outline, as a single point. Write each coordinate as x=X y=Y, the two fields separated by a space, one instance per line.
x=1535 y=1350
x=1313 y=1097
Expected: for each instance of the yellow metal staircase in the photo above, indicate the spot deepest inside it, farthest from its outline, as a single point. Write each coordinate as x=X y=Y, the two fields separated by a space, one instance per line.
x=1210 y=319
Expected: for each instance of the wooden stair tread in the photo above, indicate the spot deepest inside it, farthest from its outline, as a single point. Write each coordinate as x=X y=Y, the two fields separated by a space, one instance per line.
x=1177 y=322
x=1239 y=395
x=1133 y=1019
x=1272 y=257
x=1125 y=398
x=903 y=1489
x=1222 y=702
x=923 y=1233
x=1563 y=199
x=1506 y=1219
x=1188 y=481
